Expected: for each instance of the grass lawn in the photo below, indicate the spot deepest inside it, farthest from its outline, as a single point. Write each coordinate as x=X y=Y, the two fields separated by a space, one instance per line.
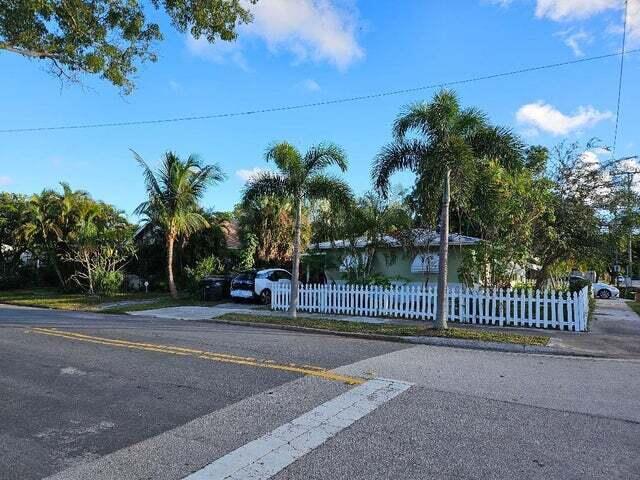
x=635 y=306
x=393 y=330
x=51 y=298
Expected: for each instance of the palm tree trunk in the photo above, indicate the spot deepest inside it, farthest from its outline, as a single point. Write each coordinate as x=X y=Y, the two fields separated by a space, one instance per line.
x=443 y=306
x=293 y=303
x=172 y=285
x=54 y=262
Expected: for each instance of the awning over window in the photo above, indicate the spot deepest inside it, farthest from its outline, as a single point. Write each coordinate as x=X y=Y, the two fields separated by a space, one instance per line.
x=353 y=262
x=425 y=263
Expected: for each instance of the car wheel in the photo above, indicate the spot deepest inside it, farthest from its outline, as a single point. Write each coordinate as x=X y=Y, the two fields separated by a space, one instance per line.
x=604 y=293
x=265 y=297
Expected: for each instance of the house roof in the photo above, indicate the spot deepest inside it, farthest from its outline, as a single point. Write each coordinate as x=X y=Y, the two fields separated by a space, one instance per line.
x=230 y=230
x=231 y=234
x=421 y=237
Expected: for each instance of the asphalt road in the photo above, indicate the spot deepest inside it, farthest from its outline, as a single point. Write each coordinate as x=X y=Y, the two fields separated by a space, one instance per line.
x=65 y=402
x=115 y=397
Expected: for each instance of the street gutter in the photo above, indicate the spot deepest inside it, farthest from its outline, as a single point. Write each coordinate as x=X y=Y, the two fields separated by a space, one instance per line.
x=417 y=340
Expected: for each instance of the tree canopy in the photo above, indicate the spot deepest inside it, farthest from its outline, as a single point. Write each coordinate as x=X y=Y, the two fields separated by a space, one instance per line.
x=108 y=37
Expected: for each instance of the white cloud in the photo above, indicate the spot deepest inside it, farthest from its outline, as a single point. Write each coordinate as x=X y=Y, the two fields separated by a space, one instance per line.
x=547 y=118
x=218 y=52
x=176 y=87
x=575 y=39
x=5 y=180
x=631 y=165
x=573 y=9
x=590 y=159
x=310 y=85
x=566 y=10
x=314 y=30
x=249 y=174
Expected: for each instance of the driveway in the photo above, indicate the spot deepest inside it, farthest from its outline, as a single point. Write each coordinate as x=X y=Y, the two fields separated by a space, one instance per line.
x=614 y=332
x=215 y=311
x=201 y=313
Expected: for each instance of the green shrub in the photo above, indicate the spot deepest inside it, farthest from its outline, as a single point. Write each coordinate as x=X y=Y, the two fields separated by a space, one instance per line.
x=107 y=282
x=375 y=279
x=578 y=284
x=210 y=265
x=628 y=293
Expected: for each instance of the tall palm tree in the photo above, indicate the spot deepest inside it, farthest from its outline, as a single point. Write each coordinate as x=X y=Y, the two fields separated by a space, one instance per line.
x=174 y=193
x=447 y=144
x=300 y=179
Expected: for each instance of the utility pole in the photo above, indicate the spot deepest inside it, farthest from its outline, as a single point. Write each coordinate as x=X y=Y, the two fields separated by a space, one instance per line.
x=628 y=281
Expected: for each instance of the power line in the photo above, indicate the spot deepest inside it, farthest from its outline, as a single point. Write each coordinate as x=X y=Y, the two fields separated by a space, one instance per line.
x=322 y=103
x=624 y=41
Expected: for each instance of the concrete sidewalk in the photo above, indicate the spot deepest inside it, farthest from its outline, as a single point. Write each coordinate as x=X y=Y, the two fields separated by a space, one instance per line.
x=613 y=332
x=200 y=313
x=216 y=311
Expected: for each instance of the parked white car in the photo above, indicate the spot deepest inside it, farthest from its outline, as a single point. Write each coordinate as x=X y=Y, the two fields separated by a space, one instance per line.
x=604 y=290
x=254 y=285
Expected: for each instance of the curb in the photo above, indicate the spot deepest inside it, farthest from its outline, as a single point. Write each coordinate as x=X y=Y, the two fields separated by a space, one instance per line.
x=426 y=340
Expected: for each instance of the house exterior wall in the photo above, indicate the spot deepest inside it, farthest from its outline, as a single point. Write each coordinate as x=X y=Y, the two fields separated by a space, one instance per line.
x=393 y=262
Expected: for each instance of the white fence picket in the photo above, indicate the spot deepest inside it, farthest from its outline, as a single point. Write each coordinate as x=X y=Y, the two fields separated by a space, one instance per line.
x=503 y=307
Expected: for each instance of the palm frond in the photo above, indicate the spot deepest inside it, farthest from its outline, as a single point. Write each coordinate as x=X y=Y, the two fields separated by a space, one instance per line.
x=501 y=144
x=325 y=155
x=414 y=117
x=394 y=157
x=267 y=184
x=470 y=121
x=286 y=157
x=150 y=181
x=328 y=187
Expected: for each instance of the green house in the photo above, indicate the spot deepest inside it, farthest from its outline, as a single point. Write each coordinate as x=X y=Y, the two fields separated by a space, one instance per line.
x=417 y=263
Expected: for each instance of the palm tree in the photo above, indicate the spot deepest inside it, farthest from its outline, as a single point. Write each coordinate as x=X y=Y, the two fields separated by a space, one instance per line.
x=42 y=229
x=448 y=142
x=173 y=194
x=300 y=179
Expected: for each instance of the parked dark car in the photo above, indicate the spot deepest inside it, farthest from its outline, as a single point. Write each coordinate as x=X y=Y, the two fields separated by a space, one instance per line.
x=242 y=286
x=215 y=288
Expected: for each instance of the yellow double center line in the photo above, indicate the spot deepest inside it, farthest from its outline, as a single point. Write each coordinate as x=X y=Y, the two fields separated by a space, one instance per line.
x=214 y=356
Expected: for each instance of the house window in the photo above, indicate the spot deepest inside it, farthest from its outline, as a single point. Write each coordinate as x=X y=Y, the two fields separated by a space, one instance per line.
x=425 y=263
x=353 y=262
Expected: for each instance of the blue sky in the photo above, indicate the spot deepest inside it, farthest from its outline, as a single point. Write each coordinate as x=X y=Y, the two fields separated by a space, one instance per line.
x=300 y=51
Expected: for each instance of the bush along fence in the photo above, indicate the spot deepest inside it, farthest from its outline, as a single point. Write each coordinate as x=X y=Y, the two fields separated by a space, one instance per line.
x=500 y=307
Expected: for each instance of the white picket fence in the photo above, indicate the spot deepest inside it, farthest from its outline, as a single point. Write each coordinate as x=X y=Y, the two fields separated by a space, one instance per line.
x=502 y=307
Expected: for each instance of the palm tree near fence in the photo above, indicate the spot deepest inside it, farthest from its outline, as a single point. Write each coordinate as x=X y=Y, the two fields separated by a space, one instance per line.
x=300 y=178
x=174 y=193
x=441 y=143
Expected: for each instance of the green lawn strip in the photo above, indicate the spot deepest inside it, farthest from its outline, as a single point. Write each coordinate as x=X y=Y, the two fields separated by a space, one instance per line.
x=391 y=329
x=50 y=298
x=635 y=306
